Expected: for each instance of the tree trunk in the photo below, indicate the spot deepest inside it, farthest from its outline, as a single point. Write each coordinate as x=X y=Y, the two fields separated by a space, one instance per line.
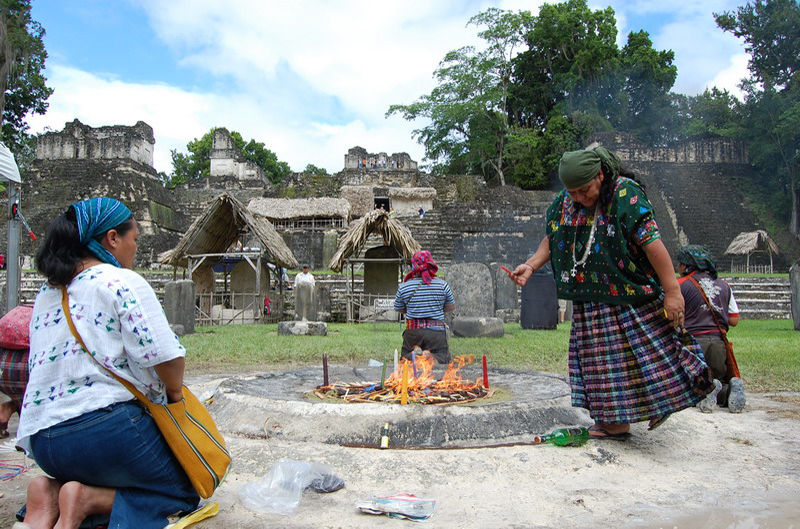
x=794 y=224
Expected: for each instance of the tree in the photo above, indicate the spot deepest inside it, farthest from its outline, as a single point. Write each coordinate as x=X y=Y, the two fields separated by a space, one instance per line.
x=771 y=33
x=715 y=112
x=468 y=110
x=196 y=164
x=314 y=170
x=22 y=85
x=648 y=76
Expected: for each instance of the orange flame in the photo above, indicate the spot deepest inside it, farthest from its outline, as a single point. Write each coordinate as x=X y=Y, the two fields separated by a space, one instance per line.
x=421 y=381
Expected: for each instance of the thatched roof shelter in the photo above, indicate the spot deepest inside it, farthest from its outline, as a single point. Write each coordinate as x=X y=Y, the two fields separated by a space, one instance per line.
x=300 y=208
x=377 y=222
x=220 y=226
x=411 y=193
x=752 y=241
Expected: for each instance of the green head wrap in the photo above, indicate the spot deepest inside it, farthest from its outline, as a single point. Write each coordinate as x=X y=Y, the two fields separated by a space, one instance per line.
x=697 y=257
x=578 y=168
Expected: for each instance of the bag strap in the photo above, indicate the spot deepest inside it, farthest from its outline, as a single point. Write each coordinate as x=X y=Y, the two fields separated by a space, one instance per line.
x=128 y=385
x=710 y=307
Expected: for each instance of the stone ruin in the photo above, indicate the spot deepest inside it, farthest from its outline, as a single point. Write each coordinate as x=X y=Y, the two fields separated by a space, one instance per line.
x=692 y=187
x=359 y=158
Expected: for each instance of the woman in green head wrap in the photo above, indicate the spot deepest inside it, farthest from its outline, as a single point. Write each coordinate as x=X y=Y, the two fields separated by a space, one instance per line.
x=626 y=361
x=711 y=310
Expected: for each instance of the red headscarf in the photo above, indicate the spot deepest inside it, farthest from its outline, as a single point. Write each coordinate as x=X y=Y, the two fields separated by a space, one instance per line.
x=422 y=265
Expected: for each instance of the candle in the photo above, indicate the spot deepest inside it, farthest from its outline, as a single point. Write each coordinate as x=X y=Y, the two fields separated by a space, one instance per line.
x=404 y=385
x=395 y=362
x=324 y=369
x=485 y=374
x=383 y=373
x=414 y=362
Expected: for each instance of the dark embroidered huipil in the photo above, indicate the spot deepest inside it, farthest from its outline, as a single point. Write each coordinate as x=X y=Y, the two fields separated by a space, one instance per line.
x=617 y=270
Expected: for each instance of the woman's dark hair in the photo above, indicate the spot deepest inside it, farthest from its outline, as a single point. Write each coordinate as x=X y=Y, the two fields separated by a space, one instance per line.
x=62 y=251
x=608 y=185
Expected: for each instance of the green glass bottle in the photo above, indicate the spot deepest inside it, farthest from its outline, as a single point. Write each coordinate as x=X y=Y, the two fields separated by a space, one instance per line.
x=564 y=437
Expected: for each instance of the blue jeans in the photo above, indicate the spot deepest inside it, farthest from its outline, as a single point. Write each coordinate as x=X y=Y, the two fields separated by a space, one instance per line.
x=119 y=447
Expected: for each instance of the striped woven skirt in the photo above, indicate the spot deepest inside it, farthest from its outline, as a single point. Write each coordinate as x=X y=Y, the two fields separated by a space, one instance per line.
x=14 y=374
x=627 y=363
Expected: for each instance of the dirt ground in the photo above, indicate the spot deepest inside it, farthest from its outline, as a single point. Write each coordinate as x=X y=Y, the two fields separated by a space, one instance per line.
x=698 y=470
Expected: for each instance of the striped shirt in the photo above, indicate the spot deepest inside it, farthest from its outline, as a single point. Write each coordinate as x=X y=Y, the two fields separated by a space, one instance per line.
x=421 y=301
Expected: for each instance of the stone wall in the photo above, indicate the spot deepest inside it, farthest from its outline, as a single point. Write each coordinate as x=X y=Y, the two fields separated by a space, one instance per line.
x=359 y=158
x=51 y=185
x=82 y=142
x=227 y=162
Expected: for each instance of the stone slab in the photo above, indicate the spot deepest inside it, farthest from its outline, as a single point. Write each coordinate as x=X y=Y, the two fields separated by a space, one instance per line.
x=303 y=328
x=474 y=327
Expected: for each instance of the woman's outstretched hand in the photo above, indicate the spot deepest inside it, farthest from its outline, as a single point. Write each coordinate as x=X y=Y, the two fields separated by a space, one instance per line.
x=521 y=274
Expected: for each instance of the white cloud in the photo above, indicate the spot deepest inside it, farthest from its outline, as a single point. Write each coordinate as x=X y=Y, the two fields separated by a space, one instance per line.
x=312 y=79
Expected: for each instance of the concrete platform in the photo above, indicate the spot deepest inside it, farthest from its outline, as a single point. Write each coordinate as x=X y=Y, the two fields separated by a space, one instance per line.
x=281 y=406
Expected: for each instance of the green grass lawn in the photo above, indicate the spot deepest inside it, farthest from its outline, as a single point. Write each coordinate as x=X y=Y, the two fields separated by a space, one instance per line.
x=768 y=351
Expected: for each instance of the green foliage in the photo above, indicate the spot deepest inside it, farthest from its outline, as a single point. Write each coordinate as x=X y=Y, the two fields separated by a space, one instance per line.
x=507 y=112
x=771 y=112
x=23 y=88
x=466 y=188
x=771 y=33
x=468 y=108
x=196 y=165
x=713 y=113
x=314 y=170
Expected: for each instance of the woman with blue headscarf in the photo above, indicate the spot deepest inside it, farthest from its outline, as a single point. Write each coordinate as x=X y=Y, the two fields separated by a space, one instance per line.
x=103 y=452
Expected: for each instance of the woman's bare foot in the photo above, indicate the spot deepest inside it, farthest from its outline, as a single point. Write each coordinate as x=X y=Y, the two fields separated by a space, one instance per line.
x=76 y=501
x=600 y=429
x=7 y=409
x=42 y=506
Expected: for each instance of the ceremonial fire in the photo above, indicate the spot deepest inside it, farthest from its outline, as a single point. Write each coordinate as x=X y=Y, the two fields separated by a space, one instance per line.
x=413 y=382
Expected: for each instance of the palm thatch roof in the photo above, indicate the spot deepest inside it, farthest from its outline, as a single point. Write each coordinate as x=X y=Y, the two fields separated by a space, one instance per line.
x=412 y=193
x=300 y=208
x=361 y=199
x=220 y=226
x=748 y=242
x=377 y=222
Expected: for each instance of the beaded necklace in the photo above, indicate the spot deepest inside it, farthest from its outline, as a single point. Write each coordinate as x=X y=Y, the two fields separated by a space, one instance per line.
x=588 y=249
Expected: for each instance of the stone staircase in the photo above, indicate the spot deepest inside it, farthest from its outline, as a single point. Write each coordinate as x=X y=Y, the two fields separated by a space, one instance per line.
x=762 y=298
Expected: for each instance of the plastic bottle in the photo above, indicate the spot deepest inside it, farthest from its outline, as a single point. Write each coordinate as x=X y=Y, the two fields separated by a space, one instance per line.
x=385 y=436
x=564 y=437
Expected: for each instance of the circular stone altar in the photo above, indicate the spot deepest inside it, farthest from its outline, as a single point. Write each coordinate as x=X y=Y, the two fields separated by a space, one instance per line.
x=272 y=405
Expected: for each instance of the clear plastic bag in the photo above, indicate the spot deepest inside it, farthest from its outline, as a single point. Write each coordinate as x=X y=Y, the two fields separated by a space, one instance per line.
x=280 y=490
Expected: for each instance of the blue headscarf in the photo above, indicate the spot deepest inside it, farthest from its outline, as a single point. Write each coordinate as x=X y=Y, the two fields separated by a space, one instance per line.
x=95 y=217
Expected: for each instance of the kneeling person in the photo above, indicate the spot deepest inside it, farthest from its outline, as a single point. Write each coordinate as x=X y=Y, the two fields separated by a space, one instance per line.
x=424 y=299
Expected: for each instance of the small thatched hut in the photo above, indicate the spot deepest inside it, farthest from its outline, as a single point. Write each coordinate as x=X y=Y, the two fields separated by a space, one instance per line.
x=382 y=264
x=213 y=237
x=749 y=243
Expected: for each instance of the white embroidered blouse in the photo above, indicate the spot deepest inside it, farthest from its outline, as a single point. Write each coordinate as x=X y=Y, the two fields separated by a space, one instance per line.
x=123 y=324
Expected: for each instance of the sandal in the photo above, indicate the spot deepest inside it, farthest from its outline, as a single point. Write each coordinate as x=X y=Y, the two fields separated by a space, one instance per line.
x=655 y=423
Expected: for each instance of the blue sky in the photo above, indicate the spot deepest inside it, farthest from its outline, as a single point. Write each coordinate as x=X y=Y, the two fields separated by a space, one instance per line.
x=309 y=79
